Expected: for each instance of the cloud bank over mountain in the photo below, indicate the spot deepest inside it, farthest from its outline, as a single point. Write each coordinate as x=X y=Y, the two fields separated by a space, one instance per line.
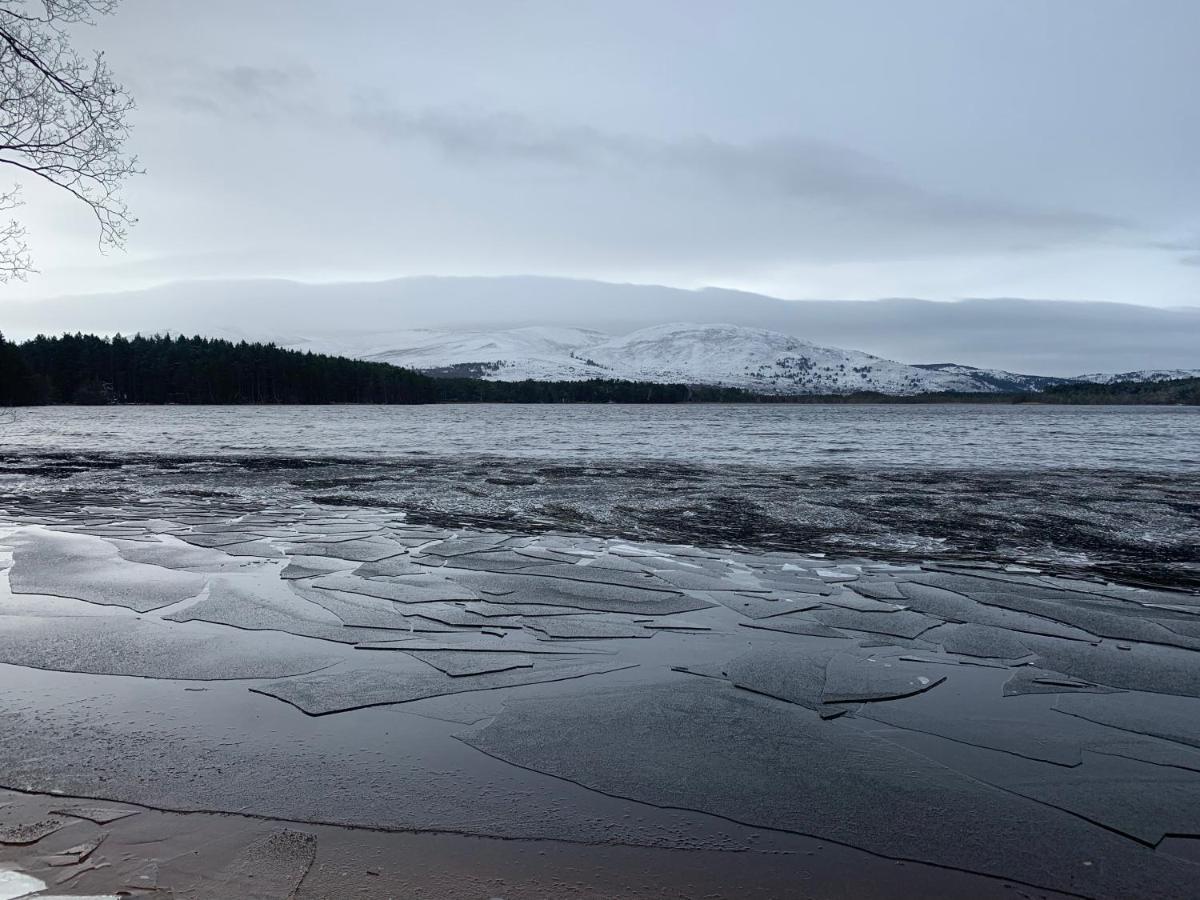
x=1020 y=335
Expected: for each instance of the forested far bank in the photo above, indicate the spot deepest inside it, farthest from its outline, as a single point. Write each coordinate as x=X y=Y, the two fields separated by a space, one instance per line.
x=87 y=369
x=1176 y=392
x=90 y=370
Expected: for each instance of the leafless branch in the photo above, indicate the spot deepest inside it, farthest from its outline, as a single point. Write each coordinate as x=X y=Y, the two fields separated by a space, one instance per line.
x=14 y=254
x=62 y=119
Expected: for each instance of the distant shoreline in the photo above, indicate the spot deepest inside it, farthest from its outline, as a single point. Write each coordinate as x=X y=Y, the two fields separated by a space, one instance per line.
x=815 y=400
x=87 y=370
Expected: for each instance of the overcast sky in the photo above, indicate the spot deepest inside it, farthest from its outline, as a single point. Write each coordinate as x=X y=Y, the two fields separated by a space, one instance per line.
x=1019 y=148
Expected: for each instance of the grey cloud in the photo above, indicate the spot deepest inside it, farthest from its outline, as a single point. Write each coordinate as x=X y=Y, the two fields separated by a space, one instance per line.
x=264 y=80
x=845 y=150
x=1188 y=250
x=797 y=169
x=258 y=91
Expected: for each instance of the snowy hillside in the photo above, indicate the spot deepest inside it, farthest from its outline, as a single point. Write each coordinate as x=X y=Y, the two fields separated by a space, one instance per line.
x=711 y=354
x=729 y=355
x=998 y=378
x=542 y=352
x=1140 y=375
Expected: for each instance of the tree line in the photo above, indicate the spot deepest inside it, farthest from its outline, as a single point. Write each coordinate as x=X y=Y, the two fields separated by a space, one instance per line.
x=87 y=369
x=1176 y=392
x=79 y=368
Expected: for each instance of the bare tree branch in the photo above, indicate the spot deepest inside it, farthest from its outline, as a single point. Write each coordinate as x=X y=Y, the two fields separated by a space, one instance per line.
x=14 y=254
x=62 y=119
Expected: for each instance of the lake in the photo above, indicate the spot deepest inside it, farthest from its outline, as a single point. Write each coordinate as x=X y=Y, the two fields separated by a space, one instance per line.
x=1157 y=439
x=447 y=626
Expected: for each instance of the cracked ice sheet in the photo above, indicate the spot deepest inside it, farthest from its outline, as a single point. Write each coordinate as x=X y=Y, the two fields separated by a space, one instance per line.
x=1141 y=667
x=500 y=562
x=1030 y=680
x=391 y=567
x=73 y=856
x=759 y=606
x=956 y=607
x=268 y=603
x=794 y=675
x=588 y=627
x=377 y=768
x=91 y=569
x=600 y=596
x=458 y=546
x=397 y=590
x=797 y=624
x=1095 y=614
x=982 y=641
x=171 y=554
x=321 y=695
x=969 y=709
x=454 y=615
x=1142 y=801
x=364 y=550
x=701 y=745
x=458 y=663
x=217 y=540
x=148 y=649
x=311 y=567
x=498 y=608
x=851 y=678
x=1162 y=716
x=903 y=624
x=845 y=598
x=361 y=611
x=472 y=641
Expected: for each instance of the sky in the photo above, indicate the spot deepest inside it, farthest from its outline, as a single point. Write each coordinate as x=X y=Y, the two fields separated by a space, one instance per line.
x=942 y=150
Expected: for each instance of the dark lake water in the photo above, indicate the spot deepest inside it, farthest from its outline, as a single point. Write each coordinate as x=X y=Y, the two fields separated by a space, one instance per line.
x=944 y=436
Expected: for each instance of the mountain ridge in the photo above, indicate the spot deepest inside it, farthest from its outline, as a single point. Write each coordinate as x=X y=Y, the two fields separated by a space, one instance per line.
x=1056 y=338
x=722 y=355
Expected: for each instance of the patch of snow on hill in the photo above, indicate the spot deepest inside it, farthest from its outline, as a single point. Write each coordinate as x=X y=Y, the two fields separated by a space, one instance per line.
x=1140 y=375
x=728 y=355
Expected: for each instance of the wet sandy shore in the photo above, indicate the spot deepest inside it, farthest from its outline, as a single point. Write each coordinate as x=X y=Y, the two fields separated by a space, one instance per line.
x=423 y=685
x=201 y=855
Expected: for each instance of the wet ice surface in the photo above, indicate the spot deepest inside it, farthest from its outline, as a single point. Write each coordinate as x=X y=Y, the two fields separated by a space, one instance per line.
x=203 y=636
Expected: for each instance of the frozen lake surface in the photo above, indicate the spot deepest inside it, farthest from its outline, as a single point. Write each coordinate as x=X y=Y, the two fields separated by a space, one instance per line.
x=1163 y=439
x=473 y=651
x=738 y=721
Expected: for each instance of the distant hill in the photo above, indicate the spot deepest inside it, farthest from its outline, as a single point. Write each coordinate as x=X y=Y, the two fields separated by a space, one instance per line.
x=997 y=379
x=1140 y=375
x=1014 y=335
x=723 y=355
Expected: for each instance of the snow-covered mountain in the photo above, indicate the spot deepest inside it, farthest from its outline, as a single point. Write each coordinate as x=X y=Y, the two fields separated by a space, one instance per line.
x=1139 y=375
x=1044 y=336
x=714 y=354
x=554 y=328
x=998 y=378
